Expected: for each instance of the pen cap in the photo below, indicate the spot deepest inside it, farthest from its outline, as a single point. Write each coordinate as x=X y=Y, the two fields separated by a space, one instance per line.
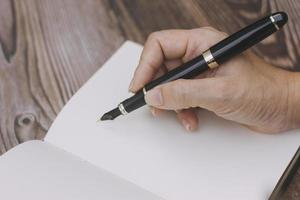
x=248 y=36
x=280 y=18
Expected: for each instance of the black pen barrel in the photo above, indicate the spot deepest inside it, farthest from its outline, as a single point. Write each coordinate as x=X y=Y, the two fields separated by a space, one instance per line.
x=185 y=71
x=242 y=40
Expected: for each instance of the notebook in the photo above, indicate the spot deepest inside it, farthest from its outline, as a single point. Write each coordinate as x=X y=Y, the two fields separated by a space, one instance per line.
x=141 y=157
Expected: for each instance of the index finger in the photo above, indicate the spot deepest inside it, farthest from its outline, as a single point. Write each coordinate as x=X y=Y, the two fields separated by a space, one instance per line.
x=161 y=45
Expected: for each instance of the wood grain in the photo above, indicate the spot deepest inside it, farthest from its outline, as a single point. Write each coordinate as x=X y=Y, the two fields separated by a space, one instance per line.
x=49 y=48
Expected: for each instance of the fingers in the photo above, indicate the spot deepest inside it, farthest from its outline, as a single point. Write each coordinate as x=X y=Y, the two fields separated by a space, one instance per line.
x=182 y=94
x=172 y=64
x=171 y=45
x=159 y=46
x=155 y=111
x=188 y=118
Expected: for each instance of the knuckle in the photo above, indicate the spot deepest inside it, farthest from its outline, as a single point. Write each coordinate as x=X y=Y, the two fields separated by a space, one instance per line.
x=219 y=35
x=211 y=34
x=224 y=34
x=210 y=28
x=154 y=35
x=215 y=33
x=148 y=63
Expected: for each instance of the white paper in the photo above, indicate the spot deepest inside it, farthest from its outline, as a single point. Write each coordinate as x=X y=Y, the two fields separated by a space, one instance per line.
x=220 y=161
x=36 y=170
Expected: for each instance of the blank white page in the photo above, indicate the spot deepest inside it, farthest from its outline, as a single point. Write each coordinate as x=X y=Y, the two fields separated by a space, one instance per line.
x=36 y=170
x=222 y=160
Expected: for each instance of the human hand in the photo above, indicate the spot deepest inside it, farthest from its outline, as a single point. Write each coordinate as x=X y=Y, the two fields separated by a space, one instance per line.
x=245 y=89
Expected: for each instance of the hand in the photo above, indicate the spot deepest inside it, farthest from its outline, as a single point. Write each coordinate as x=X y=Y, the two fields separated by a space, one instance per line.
x=245 y=89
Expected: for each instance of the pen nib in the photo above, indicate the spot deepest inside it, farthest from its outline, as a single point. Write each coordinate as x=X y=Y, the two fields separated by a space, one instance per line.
x=110 y=115
x=106 y=117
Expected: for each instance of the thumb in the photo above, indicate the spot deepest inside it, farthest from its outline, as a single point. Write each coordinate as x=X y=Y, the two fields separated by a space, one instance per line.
x=183 y=94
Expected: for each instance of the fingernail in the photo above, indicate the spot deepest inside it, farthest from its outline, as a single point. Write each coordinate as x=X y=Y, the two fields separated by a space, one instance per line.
x=186 y=125
x=130 y=86
x=154 y=97
x=153 y=112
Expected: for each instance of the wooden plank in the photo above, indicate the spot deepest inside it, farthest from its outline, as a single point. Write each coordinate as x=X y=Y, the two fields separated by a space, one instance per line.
x=49 y=49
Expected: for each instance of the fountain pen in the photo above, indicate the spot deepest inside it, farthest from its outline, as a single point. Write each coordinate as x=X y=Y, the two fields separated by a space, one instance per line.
x=211 y=58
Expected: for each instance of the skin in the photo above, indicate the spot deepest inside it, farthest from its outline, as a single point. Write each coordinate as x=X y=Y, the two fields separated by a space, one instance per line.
x=245 y=89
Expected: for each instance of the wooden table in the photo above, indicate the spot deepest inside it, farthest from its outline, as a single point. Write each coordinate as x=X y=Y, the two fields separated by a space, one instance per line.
x=49 y=48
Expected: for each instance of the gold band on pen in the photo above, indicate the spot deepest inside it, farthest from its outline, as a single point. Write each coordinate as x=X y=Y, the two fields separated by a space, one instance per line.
x=273 y=21
x=209 y=59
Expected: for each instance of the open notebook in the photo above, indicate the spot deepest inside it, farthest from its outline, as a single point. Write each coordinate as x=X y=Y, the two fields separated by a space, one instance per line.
x=139 y=156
